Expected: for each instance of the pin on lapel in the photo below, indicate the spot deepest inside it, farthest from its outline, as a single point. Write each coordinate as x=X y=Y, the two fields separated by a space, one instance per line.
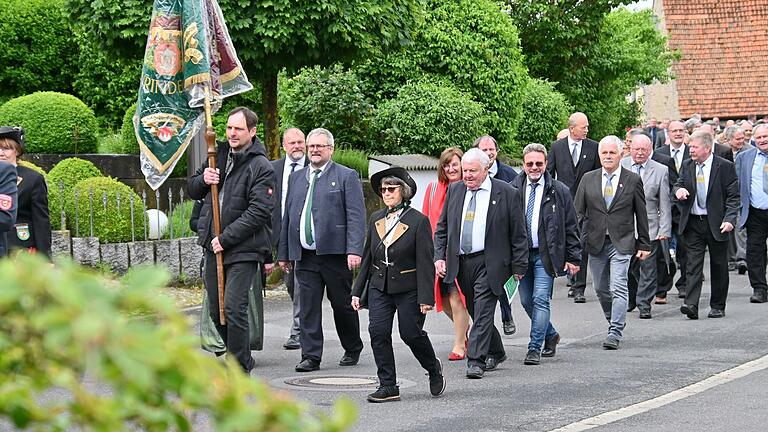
x=621 y=185
x=333 y=183
x=493 y=202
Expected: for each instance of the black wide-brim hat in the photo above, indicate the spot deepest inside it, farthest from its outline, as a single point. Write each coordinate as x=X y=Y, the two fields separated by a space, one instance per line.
x=394 y=171
x=15 y=133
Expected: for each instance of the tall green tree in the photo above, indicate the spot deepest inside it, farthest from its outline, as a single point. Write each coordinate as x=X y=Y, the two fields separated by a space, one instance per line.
x=270 y=35
x=596 y=52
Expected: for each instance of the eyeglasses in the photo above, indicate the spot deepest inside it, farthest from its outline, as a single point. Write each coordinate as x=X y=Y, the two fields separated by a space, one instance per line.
x=531 y=164
x=317 y=146
x=390 y=189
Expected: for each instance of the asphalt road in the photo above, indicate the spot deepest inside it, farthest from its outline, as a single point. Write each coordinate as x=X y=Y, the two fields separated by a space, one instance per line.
x=657 y=357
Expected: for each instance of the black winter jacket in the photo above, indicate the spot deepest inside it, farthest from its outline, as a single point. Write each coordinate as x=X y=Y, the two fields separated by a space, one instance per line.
x=558 y=231
x=247 y=203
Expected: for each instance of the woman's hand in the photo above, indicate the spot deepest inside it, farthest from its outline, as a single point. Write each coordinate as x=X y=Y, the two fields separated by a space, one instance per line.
x=424 y=308
x=356 y=303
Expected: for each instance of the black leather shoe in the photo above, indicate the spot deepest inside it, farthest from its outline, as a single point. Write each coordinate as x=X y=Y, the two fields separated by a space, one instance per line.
x=579 y=298
x=532 y=358
x=681 y=294
x=491 y=363
x=437 y=381
x=292 y=343
x=690 y=311
x=742 y=268
x=760 y=296
x=349 y=359
x=550 y=346
x=716 y=313
x=475 y=372
x=509 y=327
x=631 y=307
x=308 y=365
x=611 y=343
x=645 y=314
x=385 y=394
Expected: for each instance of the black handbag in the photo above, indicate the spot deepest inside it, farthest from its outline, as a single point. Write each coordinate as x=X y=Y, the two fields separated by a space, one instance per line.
x=364 y=293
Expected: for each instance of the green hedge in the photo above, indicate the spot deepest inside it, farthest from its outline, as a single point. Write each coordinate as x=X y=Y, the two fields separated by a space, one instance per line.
x=545 y=112
x=54 y=122
x=130 y=144
x=68 y=173
x=110 y=224
x=427 y=117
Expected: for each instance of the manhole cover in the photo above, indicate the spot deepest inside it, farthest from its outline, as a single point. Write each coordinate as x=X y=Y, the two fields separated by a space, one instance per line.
x=334 y=383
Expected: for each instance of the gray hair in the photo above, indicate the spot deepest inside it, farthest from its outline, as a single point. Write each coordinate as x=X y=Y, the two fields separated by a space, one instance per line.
x=324 y=132
x=611 y=139
x=484 y=138
x=634 y=132
x=392 y=180
x=730 y=131
x=758 y=126
x=703 y=137
x=476 y=155
x=535 y=147
x=692 y=123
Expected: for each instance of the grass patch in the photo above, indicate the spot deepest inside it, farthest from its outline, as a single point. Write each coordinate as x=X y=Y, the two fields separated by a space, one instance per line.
x=355 y=159
x=110 y=144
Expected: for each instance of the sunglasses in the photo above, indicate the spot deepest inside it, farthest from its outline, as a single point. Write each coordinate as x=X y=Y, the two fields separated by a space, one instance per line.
x=390 y=189
x=531 y=164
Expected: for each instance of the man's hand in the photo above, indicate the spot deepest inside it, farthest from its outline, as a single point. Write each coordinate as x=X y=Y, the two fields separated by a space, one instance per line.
x=726 y=227
x=424 y=308
x=440 y=268
x=519 y=277
x=285 y=266
x=642 y=255
x=211 y=176
x=353 y=261
x=216 y=246
x=356 y=303
x=571 y=269
x=268 y=268
x=682 y=194
x=661 y=237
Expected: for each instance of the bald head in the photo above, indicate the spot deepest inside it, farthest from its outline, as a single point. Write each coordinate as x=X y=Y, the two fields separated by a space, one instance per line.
x=708 y=129
x=578 y=126
x=562 y=134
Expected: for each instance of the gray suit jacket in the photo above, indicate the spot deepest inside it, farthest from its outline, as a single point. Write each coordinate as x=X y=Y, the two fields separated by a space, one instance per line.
x=658 y=204
x=338 y=212
x=621 y=220
x=277 y=219
x=745 y=159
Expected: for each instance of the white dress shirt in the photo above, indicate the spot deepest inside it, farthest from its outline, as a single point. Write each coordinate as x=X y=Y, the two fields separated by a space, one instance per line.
x=286 y=175
x=493 y=169
x=482 y=199
x=302 y=231
x=578 y=148
x=707 y=168
x=536 y=208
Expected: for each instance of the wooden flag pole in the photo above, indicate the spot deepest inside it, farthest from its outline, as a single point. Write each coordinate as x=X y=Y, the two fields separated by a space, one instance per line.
x=210 y=139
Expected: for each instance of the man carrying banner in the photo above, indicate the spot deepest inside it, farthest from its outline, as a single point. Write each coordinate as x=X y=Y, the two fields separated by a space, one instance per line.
x=246 y=182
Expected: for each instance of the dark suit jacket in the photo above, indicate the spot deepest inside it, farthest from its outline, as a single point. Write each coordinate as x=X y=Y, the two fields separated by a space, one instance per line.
x=560 y=164
x=722 y=195
x=626 y=214
x=277 y=219
x=8 y=202
x=338 y=211
x=506 y=241
x=723 y=151
x=653 y=134
x=33 y=212
x=661 y=138
x=505 y=172
x=667 y=161
x=410 y=252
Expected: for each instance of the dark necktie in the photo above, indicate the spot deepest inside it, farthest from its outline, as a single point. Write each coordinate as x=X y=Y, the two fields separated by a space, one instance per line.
x=293 y=166
x=469 y=219
x=308 y=213
x=529 y=213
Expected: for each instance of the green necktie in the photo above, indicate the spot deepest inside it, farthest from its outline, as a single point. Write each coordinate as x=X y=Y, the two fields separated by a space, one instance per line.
x=308 y=213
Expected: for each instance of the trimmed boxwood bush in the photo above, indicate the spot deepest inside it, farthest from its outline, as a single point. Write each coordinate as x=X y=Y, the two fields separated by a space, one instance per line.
x=110 y=225
x=426 y=117
x=545 y=112
x=54 y=122
x=67 y=172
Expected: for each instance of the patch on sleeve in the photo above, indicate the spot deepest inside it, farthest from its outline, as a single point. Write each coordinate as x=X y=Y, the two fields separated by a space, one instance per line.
x=6 y=202
x=269 y=191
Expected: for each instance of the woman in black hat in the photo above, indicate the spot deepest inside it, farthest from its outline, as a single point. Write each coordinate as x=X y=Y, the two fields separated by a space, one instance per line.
x=32 y=230
x=397 y=275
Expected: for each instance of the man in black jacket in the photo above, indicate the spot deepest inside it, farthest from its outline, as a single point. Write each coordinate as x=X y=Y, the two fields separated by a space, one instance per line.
x=553 y=246
x=246 y=183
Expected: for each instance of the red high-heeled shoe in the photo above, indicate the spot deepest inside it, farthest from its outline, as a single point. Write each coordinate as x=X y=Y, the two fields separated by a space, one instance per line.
x=454 y=357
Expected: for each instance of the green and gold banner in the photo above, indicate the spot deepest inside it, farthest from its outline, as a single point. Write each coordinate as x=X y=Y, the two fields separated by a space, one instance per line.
x=188 y=53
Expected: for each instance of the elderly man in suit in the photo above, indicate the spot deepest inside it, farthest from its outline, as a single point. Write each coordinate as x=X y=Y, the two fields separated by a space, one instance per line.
x=569 y=159
x=707 y=193
x=752 y=170
x=643 y=283
x=481 y=240
x=737 y=244
x=506 y=173
x=718 y=149
x=294 y=160
x=610 y=204
x=323 y=232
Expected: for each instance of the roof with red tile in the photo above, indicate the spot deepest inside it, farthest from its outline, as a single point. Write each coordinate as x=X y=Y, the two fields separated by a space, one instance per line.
x=724 y=46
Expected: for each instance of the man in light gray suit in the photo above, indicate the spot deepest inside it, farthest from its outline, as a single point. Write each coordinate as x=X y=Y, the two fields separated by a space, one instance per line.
x=643 y=283
x=323 y=232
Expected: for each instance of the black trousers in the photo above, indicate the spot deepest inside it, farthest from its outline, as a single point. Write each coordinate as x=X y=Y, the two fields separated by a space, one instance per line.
x=410 y=321
x=484 y=338
x=316 y=274
x=699 y=238
x=664 y=276
x=580 y=281
x=238 y=279
x=757 y=234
